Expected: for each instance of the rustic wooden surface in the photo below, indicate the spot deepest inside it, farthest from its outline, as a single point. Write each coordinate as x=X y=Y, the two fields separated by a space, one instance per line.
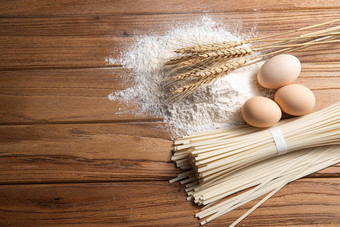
x=67 y=158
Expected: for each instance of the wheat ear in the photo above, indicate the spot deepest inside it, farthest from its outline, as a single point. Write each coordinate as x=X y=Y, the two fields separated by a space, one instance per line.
x=196 y=59
x=189 y=73
x=180 y=59
x=192 y=70
x=209 y=47
x=209 y=75
x=227 y=53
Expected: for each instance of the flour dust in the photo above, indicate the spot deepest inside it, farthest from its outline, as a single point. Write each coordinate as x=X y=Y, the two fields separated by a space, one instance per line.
x=214 y=106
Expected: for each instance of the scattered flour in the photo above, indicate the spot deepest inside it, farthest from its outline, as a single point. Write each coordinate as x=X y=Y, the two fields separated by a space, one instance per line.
x=213 y=106
x=111 y=61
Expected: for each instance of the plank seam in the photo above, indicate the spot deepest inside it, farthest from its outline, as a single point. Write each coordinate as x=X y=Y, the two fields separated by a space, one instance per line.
x=122 y=181
x=297 y=9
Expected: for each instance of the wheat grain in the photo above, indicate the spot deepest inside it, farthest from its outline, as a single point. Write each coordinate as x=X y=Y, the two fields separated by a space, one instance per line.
x=188 y=74
x=177 y=60
x=223 y=68
x=195 y=59
x=207 y=76
x=227 y=53
x=204 y=60
x=209 y=47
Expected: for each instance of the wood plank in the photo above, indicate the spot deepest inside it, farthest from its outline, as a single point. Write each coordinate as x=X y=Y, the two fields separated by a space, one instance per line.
x=55 y=8
x=85 y=152
x=87 y=42
x=117 y=78
x=20 y=52
x=320 y=76
x=80 y=95
x=64 y=95
x=91 y=152
x=82 y=34
x=130 y=25
x=304 y=202
x=56 y=52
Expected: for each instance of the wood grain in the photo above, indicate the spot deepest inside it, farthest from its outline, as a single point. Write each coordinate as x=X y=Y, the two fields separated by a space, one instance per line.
x=132 y=25
x=304 y=202
x=65 y=95
x=68 y=158
x=85 y=153
x=61 y=95
x=52 y=52
x=19 y=52
x=87 y=42
x=55 y=8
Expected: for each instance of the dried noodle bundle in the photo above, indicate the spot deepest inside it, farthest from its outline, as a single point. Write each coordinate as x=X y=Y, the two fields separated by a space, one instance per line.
x=221 y=162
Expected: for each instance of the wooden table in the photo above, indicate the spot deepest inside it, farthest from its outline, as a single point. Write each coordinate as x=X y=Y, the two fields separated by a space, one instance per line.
x=66 y=158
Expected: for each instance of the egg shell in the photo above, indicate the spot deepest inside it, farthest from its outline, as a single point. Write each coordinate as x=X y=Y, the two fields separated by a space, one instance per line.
x=279 y=71
x=295 y=99
x=261 y=112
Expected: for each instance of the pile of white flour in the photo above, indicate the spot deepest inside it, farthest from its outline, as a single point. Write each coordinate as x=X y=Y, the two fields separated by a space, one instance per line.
x=213 y=106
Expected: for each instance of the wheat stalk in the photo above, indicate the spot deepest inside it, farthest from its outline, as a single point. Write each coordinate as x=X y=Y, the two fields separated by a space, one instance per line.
x=200 y=65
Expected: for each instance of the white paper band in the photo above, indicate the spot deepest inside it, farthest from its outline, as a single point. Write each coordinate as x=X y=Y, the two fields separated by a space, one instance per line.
x=279 y=140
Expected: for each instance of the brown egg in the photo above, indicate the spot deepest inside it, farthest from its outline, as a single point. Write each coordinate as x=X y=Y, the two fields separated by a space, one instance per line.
x=261 y=112
x=279 y=71
x=295 y=99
